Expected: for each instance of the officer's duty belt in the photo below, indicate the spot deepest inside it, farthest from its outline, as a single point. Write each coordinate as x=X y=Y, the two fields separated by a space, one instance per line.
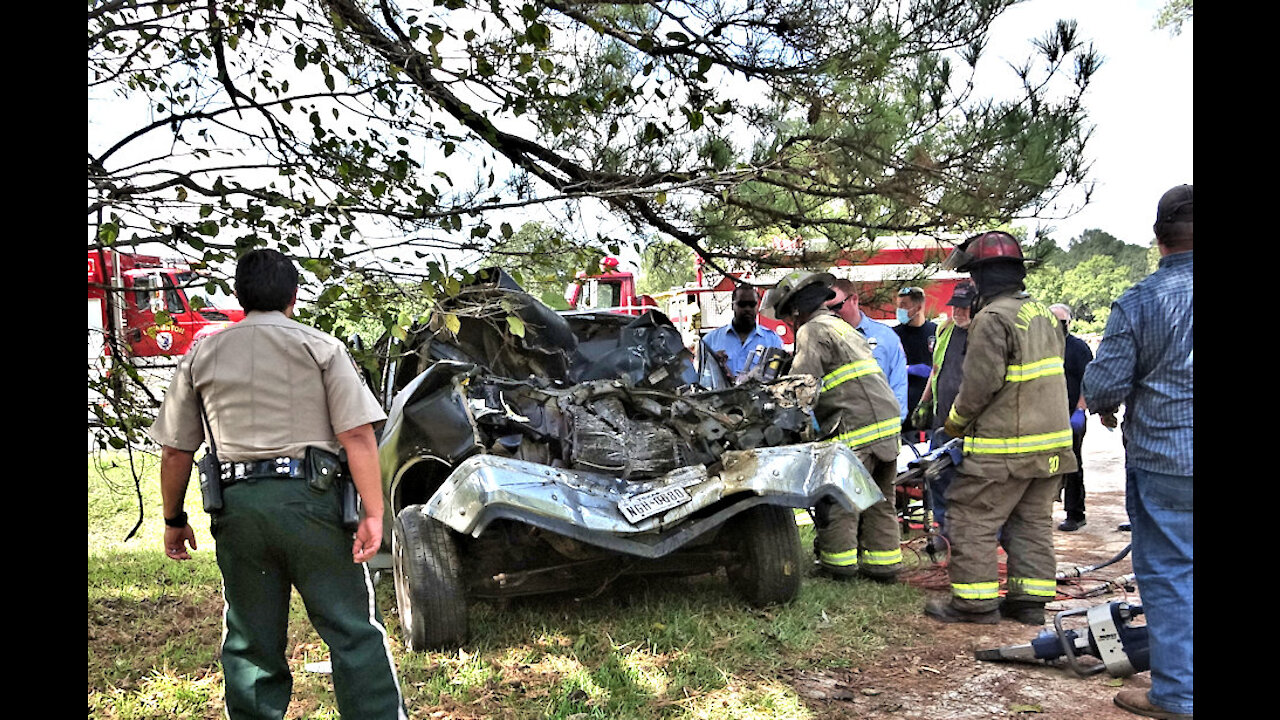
x=281 y=467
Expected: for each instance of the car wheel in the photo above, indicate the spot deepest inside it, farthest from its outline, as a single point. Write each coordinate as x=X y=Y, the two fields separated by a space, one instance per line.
x=767 y=549
x=428 y=580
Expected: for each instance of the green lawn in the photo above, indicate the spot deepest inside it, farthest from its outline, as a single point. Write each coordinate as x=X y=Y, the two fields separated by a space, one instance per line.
x=662 y=648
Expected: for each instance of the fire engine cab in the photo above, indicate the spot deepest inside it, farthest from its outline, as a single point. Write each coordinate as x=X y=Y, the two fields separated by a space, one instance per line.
x=611 y=290
x=154 y=306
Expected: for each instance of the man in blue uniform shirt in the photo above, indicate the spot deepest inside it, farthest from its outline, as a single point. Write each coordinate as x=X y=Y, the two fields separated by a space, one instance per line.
x=734 y=345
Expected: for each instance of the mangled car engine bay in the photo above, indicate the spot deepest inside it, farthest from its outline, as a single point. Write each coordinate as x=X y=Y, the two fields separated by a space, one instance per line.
x=529 y=452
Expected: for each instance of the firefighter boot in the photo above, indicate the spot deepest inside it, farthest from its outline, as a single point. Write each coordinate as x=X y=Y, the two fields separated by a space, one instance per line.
x=943 y=611
x=880 y=576
x=1024 y=611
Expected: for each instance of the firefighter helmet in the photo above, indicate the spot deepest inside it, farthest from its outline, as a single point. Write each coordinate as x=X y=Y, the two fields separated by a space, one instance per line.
x=994 y=245
x=776 y=298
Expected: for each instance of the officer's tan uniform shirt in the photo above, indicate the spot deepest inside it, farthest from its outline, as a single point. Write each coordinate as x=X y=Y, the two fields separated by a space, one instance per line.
x=271 y=387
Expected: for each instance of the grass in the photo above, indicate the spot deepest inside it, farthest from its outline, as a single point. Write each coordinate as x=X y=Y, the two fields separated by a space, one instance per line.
x=672 y=648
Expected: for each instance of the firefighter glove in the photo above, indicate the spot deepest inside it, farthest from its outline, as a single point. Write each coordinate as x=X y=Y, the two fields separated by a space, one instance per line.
x=922 y=417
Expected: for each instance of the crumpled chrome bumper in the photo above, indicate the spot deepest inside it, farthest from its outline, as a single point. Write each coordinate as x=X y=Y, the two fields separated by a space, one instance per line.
x=584 y=505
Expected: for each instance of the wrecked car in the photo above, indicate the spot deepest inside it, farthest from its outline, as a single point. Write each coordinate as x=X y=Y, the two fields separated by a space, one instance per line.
x=528 y=452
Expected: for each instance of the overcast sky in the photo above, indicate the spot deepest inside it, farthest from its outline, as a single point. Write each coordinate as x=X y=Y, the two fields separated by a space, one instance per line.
x=1140 y=103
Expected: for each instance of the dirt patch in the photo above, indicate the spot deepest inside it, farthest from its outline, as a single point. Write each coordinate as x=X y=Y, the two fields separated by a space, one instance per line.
x=933 y=673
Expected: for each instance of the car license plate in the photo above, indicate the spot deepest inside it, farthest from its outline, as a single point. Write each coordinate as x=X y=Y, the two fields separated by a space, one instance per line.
x=651 y=503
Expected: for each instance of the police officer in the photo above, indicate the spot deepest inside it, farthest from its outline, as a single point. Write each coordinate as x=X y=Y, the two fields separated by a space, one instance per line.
x=1011 y=410
x=279 y=398
x=856 y=407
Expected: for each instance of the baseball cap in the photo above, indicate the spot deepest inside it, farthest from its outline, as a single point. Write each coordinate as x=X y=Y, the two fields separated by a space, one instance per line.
x=962 y=295
x=1175 y=205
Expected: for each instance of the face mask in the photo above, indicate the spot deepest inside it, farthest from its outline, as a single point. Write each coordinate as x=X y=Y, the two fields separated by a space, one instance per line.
x=903 y=317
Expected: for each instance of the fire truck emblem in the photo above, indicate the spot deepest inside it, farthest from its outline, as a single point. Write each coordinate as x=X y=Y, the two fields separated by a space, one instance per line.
x=164 y=340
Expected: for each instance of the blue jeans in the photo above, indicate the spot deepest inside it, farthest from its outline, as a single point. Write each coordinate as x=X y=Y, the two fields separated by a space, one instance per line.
x=1159 y=508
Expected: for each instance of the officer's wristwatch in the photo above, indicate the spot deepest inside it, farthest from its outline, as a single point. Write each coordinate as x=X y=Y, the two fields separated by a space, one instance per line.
x=177 y=521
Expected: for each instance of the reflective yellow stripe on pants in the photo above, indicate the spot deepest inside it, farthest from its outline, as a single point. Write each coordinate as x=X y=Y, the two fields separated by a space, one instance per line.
x=840 y=559
x=1020 y=444
x=976 y=591
x=882 y=557
x=848 y=372
x=1036 y=587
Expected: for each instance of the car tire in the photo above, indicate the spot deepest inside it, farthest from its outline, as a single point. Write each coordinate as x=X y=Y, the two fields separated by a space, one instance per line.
x=766 y=544
x=428 y=580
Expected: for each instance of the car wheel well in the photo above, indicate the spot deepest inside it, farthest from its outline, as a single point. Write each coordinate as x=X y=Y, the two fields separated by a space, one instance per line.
x=419 y=481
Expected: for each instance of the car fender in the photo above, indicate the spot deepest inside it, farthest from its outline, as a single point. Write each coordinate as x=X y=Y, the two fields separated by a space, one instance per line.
x=585 y=505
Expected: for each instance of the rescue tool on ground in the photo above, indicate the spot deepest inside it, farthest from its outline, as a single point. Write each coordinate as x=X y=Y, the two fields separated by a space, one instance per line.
x=1108 y=635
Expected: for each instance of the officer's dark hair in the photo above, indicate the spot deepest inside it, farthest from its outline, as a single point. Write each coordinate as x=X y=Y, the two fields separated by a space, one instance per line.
x=265 y=280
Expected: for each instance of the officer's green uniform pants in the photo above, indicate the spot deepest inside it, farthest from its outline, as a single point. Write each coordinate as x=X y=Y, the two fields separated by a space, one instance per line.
x=984 y=499
x=273 y=534
x=868 y=542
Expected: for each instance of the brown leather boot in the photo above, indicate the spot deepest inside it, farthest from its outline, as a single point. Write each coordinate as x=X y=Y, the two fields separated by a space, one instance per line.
x=1137 y=702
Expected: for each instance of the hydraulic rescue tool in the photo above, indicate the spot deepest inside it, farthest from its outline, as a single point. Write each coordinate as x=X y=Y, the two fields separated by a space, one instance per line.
x=1107 y=635
x=912 y=484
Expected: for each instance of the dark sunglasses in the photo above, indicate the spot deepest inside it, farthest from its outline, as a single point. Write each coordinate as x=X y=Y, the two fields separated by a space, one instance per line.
x=746 y=303
x=837 y=306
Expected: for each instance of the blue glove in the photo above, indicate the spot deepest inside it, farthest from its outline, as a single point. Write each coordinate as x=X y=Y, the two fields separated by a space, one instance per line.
x=1077 y=420
x=919 y=370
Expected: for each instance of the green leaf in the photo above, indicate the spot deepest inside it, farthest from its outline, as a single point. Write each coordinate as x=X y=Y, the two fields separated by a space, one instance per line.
x=108 y=233
x=452 y=322
x=515 y=325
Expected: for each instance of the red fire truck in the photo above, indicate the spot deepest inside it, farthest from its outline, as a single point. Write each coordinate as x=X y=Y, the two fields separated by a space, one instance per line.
x=155 y=307
x=612 y=289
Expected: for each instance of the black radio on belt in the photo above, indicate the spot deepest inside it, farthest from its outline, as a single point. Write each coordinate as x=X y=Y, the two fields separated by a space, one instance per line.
x=210 y=482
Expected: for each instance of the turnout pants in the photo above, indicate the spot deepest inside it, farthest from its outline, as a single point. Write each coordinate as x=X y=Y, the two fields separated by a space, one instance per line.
x=847 y=541
x=274 y=534
x=983 y=498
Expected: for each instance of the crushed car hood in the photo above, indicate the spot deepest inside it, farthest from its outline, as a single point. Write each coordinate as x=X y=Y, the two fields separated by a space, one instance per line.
x=587 y=506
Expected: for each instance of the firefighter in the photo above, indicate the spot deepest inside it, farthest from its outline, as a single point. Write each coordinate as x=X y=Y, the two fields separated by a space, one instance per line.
x=856 y=407
x=1011 y=410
